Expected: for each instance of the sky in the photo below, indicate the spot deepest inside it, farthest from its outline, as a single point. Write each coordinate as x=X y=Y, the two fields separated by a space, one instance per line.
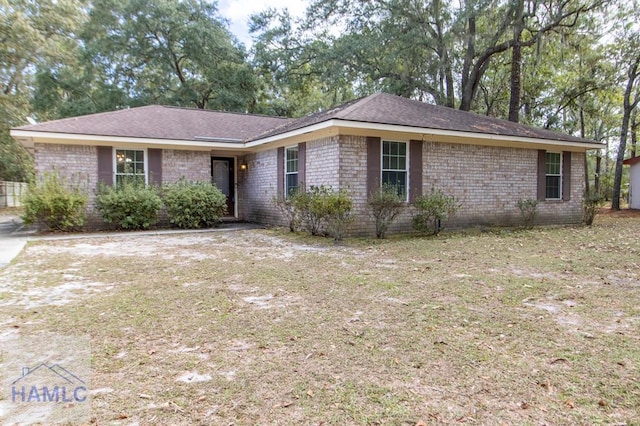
x=237 y=12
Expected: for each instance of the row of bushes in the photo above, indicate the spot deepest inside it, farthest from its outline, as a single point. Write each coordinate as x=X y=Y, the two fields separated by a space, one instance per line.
x=57 y=205
x=591 y=201
x=322 y=210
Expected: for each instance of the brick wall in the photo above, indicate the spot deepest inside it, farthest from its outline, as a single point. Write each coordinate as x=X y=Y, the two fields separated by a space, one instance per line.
x=77 y=164
x=487 y=181
x=322 y=166
x=257 y=187
x=192 y=165
x=353 y=178
x=561 y=212
x=73 y=162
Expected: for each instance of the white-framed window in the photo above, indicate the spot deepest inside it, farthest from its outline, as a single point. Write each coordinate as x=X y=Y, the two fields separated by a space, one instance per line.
x=130 y=166
x=395 y=166
x=290 y=170
x=553 y=175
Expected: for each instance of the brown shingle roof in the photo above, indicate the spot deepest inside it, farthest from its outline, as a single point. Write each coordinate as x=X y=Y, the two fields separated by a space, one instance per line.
x=383 y=108
x=163 y=122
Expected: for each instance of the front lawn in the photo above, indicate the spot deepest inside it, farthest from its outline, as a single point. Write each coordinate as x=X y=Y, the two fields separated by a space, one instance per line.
x=265 y=327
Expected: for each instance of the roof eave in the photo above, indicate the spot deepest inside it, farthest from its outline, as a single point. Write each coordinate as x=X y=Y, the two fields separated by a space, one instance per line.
x=29 y=137
x=424 y=133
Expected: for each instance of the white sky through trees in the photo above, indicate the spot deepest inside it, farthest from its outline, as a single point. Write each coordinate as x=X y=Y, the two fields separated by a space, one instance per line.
x=237 y=12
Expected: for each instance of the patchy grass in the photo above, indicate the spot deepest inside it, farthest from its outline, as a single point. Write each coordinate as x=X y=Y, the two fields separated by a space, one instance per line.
x=266 y=327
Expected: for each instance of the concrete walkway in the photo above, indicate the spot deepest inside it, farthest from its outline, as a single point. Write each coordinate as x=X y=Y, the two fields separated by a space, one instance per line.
x=13 y=238
x=14 y=235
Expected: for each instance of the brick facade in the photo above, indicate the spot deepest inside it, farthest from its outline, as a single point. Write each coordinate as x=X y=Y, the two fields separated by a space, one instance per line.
x=323 y=167
x=353 y=178
x=257 y=188
x=74 y=163
x=486 y=181
x=192 y=165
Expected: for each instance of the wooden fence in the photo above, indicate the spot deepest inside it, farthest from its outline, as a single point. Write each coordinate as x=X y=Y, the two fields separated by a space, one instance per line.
x=11 y=193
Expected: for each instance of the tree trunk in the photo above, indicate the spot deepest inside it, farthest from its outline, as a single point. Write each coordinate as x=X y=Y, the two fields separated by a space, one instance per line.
x=514 y=97
x=467 y=66
x=634 y=132
x=586 y=163
x=622 y=147
x=516 y=64
x=596 y=179
x=629 y=106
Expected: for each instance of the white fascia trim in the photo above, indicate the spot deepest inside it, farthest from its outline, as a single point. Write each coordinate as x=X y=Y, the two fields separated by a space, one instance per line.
x=123 y=140
x=456 y=133
x=419 y=131
x=308 y=129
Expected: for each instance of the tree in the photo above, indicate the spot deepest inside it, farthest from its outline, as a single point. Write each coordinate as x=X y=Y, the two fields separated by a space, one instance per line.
x=169 y=52
x=437 y=51
x=292 y=69
x=32 y=33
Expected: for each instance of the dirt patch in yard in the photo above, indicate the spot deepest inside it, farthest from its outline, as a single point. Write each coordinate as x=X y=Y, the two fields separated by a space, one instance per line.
x=267 y=327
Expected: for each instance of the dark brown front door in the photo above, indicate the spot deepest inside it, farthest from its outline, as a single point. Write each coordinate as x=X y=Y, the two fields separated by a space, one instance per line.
x=223 y=176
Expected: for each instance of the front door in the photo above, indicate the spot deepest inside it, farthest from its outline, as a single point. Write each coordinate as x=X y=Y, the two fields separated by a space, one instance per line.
x=223 y=176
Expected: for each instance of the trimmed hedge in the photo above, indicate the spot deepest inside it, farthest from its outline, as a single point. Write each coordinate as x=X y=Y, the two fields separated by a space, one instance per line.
x=130 y=206
x=194 y=205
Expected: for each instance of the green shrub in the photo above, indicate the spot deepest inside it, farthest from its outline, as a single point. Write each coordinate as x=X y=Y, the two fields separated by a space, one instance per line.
x=385 y=204
x=287 y=207
x=591 y=201
x=130 y=205
x=321 y=208
x=528 y=211
x=338 y=214
x=55 y=205
x=308 y=204
x=194 y=204
x=431 y=210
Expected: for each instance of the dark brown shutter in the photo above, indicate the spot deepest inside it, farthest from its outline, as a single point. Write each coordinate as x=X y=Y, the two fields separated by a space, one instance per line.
x=415 y=170
x=374 y=161
x=280 y=172
x=542 y=175
x=155 y=166
x=105 y=165
x=302 y=162
x=566 y=176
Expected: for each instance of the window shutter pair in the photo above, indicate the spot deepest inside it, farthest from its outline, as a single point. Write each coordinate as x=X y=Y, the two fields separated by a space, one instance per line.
x=374 y=167
x=542 y=175
x=105 y=165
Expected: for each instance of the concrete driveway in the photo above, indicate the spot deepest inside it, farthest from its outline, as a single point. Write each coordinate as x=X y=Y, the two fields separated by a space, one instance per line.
x=12 y=238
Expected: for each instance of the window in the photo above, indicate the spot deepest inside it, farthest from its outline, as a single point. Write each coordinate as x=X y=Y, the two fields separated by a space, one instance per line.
x=130 y=166
x=290 y=170
x=394 y=166
x=553 y=172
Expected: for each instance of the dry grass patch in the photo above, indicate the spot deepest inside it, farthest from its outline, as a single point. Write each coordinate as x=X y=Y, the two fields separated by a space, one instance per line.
x=265 y=327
